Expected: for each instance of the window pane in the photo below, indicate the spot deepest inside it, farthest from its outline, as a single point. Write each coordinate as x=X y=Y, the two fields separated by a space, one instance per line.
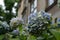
x=59 y=3
x=50 y=2
x=32 y=7
x=35 y=3
x=35 y=11
x=58 y=20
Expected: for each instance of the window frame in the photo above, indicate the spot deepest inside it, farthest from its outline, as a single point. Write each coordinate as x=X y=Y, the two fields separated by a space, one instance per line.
x=50 y=3
x=51 y=6
x=34 y=8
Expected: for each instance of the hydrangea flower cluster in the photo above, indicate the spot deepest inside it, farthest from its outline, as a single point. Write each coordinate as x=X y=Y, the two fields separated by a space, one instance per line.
x=14 y=22
x=15 y=32
x=46 y=15
x=38 y=23
x=4 y=27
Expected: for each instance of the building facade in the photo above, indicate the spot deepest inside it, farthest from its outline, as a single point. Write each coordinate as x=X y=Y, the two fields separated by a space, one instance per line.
x=28 y=7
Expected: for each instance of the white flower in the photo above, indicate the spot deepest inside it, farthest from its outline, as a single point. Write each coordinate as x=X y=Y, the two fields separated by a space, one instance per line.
x=16 y=21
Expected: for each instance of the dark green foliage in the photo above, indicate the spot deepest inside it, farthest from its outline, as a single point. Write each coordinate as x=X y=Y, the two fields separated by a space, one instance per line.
x=4 y=27
x=9 y=4
x=22 y=37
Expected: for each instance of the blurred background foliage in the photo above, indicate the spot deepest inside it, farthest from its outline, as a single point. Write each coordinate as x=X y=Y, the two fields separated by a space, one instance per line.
x=6 y=14
x=45 y=33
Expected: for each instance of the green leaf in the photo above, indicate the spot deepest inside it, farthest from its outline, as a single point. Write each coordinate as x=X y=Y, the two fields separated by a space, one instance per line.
x=31 y=37
x=22 y=37
x=55 y=33
x=1 y=36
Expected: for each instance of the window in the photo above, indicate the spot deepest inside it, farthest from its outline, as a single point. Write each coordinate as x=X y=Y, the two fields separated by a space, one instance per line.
x=33 y=10
x=59 y=3
x=34 y=7
x=50 y=2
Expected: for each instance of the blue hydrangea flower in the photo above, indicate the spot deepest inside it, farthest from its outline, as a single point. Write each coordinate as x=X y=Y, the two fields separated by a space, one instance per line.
x=15 y=32
x=38 y=21
x=32 y=17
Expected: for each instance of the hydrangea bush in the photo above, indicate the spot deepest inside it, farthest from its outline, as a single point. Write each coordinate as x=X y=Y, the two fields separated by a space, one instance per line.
x=37 y=29
x=38 y=25
x=4 y=27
